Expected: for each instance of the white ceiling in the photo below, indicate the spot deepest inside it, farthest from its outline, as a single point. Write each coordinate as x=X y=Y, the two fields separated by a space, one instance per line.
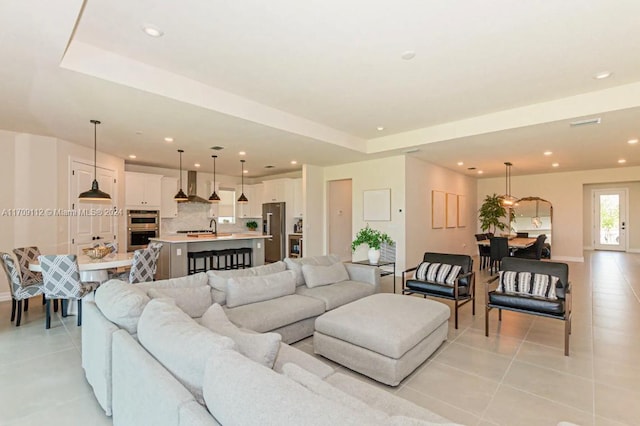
x=491 y=81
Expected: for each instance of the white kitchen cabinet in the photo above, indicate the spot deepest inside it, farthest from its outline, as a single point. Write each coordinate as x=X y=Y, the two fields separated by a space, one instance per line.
x=168 y=190
x=298 y=201
x=142 y=190
x=257 y=200
x=277 y=190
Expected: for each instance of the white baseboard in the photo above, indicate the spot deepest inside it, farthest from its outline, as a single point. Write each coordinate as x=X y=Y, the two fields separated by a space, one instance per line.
x=587 y=248
x=4 y=297
x=568 y=259
x=633 y=251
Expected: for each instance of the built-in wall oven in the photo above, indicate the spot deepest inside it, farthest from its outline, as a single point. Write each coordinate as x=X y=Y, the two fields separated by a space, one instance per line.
x=142 y=225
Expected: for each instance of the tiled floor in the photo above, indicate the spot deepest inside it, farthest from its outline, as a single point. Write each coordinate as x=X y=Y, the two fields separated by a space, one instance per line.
x=517 y=376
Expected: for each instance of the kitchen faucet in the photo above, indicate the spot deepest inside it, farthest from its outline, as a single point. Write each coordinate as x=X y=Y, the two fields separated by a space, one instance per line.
x=213 y=223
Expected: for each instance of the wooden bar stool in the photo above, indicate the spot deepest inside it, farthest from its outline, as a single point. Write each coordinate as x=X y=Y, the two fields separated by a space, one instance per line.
x=226 y=256
x=241 y=260
x=193 y=257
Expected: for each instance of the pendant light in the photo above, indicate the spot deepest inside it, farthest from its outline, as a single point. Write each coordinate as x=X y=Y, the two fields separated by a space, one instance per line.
x=242 y=199
x=94 y=194
x=507 y=200
x=214 y=196
x=536 y=221
x=181 y=196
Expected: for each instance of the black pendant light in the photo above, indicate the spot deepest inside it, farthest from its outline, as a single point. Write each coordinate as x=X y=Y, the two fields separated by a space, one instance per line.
x=181 y=196
x=214 y=196
x=94 y=194
x=242 y=199
x=507 y=200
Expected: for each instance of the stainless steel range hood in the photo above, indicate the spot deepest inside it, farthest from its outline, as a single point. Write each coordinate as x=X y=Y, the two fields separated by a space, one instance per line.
x=192 y=189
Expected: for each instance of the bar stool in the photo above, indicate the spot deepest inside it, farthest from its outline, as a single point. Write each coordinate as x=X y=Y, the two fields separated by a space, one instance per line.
x=193 y=257
x=226 y=255
x=241 y=260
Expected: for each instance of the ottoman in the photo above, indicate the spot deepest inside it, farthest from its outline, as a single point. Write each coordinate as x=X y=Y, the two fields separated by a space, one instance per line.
x=383 y=336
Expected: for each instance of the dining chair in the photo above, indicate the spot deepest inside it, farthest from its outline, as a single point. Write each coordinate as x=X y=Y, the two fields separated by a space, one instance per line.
x=534 y=252
x=19 y=291
x=499 y=248
x=156 y=249
x=143 y=268
x=26 y=255
x=61 y=279
x=484 y=251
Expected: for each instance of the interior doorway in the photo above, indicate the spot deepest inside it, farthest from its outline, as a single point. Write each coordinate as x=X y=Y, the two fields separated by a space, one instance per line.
x=610 y=219
x=339 y=228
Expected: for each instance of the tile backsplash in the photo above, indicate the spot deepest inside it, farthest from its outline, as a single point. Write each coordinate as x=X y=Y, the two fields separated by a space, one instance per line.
x=195 y=216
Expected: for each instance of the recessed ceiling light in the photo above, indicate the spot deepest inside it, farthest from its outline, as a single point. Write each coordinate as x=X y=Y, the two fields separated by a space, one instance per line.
x=242 y=153
x=460 y=163
x=602 y=75
x=622 y=161
x=380 y=128
x=408 y=55
x=632 y=141
x=168 y=139
x=555 y=164
x=132 y=156
x=196 y=165
x=547 y=153
x=480 y=172
x=294 y=162
x=152 y=31
x=245 y=171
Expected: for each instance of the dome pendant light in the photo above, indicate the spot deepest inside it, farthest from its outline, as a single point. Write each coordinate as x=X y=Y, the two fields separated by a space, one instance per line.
x=242 y=199
x=507 y=200
x=181 y=196
x=94 y=194
x=214 y=196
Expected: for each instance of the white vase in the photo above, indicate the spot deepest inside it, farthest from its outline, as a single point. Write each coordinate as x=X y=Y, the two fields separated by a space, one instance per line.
x=374 y=256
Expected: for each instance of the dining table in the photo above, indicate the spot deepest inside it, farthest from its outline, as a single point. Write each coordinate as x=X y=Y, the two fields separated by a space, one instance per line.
x=514 y=243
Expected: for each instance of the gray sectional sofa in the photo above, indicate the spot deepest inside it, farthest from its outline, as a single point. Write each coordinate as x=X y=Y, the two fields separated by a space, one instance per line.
x=165 y=353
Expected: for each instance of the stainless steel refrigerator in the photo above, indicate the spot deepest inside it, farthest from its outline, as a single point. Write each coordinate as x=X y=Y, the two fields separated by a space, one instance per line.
x=273 y=223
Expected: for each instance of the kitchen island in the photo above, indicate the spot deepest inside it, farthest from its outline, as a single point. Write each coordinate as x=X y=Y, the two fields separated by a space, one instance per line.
x=173 y=262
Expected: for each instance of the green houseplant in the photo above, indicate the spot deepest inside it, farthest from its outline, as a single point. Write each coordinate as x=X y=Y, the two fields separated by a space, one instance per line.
x=252 y=225
x=491 y=214
x=374 y=239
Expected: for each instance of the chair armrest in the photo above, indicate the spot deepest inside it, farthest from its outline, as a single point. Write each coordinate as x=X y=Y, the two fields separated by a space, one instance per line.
x=410 y=269
x=404 y=280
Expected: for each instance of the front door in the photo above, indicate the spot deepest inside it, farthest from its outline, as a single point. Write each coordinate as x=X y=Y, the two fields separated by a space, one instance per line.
x=610 y=221
x=90 y=222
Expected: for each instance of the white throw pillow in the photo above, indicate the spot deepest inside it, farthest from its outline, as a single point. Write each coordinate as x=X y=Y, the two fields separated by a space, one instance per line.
x=317 y=275
x=121 y=303
x=194 y=301
x=296 y=264
x=262 y=348
x=245 y=290
x=218 y=279
x=180 y=344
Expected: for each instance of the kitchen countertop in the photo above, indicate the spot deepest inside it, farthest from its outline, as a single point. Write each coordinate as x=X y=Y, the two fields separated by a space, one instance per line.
x=182 y=238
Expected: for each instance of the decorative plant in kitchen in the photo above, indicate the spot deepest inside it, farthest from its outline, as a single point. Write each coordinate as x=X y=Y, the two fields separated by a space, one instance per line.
x=374 y=239
x=252 y=225
x=491 y=214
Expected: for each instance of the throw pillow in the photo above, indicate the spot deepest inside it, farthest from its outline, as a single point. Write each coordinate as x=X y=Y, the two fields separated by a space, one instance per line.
x=121 y=303
x=296 y=264
x=246 y=290
x=180 y=344
x=194 y=301
x=262 y=348
x=218 y=279
x=317 y=275
x=540 y=285
x=441 y=273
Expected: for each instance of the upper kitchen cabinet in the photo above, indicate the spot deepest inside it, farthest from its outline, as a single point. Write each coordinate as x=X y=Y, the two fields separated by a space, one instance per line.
x=142 y=190
x=253 y=208
x=168 y=205
x=298 y=202
x=277 y=190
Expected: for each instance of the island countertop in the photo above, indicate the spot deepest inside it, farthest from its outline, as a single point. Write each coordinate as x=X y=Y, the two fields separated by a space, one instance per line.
x=183 y=238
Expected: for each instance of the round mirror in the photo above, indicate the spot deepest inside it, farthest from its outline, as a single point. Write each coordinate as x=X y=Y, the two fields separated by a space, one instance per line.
x=533 y=216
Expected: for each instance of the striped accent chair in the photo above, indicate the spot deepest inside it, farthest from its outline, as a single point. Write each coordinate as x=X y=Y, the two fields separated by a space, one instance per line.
x=19 y=291
x=62 y=281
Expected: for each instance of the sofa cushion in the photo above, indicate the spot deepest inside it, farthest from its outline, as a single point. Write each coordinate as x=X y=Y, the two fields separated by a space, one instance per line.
x=262 y=348
x=239 y=391
x=540 y=285
x=441 y=273
x=180 y=344
x=246 y=290
x=195 y=280
x=275 y=313
x=121 y=303
x=338 y=294
x=194 y=301
x=218 y=279
x=295 y=264
x=319 y=275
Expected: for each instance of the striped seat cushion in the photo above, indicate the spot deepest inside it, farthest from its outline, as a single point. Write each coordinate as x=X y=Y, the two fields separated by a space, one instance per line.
x=441 y=273
x=540 y=285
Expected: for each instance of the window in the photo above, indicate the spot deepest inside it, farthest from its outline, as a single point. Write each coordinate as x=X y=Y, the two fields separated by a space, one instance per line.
x=227 y=206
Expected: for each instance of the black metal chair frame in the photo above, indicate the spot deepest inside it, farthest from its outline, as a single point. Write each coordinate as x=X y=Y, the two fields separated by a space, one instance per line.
x=471 y=297
x=566 y=317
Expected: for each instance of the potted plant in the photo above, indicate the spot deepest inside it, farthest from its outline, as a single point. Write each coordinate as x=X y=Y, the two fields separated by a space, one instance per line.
x=491 y=214
x=374 y=239
x=252 y=225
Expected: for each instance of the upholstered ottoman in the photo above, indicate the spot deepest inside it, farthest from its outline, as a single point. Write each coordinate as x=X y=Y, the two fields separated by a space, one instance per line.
x=383 y=336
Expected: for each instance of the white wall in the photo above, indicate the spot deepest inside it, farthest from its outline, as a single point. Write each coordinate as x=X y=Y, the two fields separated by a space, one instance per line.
x=313 y=186
x=565 y=192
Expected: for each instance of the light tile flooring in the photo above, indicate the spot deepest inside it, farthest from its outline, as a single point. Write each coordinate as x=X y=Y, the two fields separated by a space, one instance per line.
x=517 y=376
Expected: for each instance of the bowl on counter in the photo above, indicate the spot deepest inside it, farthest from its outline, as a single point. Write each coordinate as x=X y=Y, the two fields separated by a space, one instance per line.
x=97 y=252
